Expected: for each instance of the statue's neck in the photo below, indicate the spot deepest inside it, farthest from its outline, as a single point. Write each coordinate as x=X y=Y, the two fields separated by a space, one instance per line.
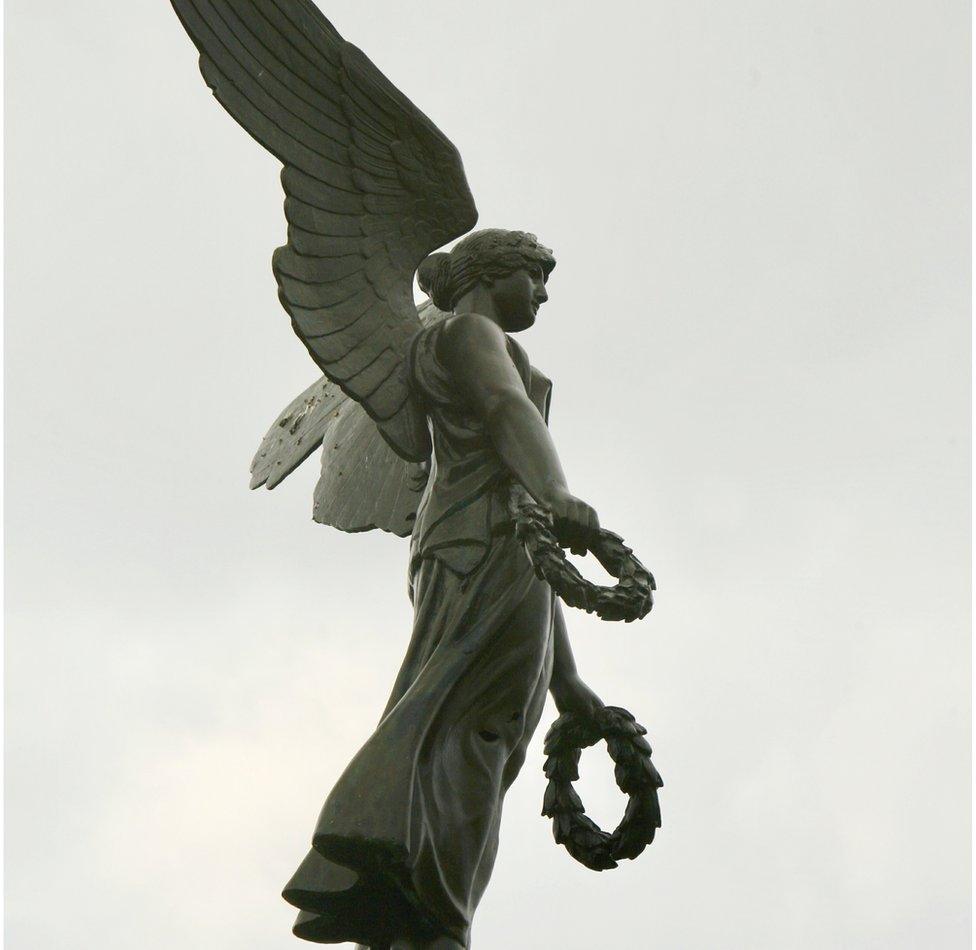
x=479 y=300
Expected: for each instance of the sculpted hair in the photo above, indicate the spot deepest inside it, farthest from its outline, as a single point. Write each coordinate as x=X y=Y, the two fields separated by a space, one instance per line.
x=490 y=253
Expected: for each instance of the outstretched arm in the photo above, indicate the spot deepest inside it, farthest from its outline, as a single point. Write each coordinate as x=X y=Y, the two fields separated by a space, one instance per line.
x=473 y=349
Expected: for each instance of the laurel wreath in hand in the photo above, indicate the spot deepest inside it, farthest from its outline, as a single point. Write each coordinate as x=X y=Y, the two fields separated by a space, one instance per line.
x=630 y=599
x=635 y=774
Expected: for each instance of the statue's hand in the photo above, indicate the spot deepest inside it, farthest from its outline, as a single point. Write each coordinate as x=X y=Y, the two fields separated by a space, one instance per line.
x=571 y=694
x=574 y=520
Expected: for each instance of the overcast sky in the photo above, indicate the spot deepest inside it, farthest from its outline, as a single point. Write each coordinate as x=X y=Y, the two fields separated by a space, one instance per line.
x=758 y=333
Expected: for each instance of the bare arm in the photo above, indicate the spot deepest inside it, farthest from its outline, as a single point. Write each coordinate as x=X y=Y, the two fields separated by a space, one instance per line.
x=570 y=693
x=473 y=349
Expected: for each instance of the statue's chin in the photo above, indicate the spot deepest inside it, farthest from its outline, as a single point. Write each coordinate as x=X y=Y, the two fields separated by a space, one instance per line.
x=521 y=321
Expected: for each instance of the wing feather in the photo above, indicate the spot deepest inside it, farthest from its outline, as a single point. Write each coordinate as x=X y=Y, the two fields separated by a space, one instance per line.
x=371 y=187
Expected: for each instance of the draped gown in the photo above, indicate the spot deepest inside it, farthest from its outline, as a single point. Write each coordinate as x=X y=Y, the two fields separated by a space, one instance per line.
x=406 y=841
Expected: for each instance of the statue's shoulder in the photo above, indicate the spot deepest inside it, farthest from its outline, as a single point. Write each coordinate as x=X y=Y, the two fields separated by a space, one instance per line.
x=441 y=353
x=453 y=341
x=466 y=329
x=463 y=334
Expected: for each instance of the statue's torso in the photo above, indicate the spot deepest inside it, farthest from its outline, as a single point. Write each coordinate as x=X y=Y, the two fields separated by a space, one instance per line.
x=466 y=499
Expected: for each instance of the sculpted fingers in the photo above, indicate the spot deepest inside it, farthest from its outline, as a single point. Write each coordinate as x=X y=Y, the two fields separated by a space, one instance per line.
x=576 y=522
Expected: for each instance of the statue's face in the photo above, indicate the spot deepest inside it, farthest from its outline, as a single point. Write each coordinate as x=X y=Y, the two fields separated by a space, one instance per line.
x=518 y=296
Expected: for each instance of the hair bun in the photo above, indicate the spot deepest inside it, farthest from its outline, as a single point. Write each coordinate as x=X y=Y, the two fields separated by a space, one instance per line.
x=434 y=277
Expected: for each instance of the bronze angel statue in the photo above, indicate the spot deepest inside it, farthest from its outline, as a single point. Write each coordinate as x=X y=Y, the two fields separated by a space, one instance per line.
x=434 y=425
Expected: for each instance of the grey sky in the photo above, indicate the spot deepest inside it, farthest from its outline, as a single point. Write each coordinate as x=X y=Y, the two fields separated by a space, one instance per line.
x=758 y=331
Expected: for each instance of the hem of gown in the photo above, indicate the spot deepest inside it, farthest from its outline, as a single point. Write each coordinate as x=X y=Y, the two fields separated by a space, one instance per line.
x=380 y=907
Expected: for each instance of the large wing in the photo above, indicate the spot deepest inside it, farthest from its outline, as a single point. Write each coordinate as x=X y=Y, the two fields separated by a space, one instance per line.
x=372 y=187
x=363 y=484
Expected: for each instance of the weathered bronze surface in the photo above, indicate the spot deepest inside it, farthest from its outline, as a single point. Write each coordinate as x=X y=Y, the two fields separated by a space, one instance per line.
x=433 y=424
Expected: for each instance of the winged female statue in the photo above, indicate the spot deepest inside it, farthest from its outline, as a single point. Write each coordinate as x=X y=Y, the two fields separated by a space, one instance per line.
x=434 y=425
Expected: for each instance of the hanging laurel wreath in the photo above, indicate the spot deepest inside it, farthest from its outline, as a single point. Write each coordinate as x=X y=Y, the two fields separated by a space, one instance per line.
x=635 y=774
x=630 y=599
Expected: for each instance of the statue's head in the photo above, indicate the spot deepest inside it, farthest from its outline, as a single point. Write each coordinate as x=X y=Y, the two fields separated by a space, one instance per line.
x=512 y=265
